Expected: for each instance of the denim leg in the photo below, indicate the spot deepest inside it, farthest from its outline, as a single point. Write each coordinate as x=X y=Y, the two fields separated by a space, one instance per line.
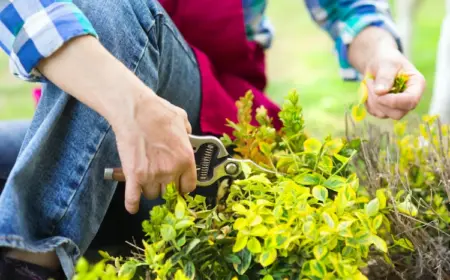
x=55 y=197
x=11 y=137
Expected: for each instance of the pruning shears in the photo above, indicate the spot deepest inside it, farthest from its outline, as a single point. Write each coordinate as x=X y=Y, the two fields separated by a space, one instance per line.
x=212 y=160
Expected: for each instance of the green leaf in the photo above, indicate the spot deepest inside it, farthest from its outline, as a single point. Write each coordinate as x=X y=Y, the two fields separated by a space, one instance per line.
x=240 y=243
x=320 y=193
x=246 y=260
x=192 y=245
x=379 y=243
x=318 y=268
x=334 y=183
x=372 y=207
x=254 y=246
x=168 y=233
x=268 y=257
x=233 y=259
x=320 y=252
x=312 y=145
x=127 y=270
x=268 y=277
x=308 y=179
x=189 y=270
x=181 y=241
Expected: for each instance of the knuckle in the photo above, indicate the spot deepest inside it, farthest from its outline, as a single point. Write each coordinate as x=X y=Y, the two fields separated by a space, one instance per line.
x=141 y=174
x=133 y=201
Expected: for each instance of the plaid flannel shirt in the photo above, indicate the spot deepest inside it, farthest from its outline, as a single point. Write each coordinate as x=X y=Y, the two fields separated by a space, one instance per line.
x=343 y=20
x=31 y=30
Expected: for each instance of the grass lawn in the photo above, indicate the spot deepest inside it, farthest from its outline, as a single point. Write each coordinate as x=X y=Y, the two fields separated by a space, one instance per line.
x=301 y=58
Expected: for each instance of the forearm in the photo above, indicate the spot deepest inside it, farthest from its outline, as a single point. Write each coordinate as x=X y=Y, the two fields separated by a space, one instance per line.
x=367 y=44
x=86 y=70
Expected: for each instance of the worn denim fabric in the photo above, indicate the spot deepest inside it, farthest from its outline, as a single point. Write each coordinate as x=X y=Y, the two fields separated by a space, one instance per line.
x=55 y=197
x=11 y=137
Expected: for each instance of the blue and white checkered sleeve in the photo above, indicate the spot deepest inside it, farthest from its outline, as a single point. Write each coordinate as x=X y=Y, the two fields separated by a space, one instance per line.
x=31 y=30
x=345 y=19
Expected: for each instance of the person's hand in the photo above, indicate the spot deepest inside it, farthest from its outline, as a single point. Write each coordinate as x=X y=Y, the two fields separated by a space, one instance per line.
x=152 y=134
x=155 y=150
x=384 y=67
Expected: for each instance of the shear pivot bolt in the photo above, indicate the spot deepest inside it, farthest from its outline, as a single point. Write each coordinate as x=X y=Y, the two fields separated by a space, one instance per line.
x=231 y=168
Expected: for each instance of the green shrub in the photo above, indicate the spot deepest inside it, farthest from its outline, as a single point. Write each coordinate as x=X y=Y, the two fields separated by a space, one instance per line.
x=309 y=219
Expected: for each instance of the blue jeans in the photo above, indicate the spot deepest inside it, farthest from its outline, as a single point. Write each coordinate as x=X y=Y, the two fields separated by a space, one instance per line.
x=55 y=197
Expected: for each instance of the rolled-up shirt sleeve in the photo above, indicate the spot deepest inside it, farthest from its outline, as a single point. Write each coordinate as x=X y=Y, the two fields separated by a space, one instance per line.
x=31 y=30
x=345 y=19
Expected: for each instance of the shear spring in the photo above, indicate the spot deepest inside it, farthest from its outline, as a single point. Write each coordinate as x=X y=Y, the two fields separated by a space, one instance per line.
x=206 y=162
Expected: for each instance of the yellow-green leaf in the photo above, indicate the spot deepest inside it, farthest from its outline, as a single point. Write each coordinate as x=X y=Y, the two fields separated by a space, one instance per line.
x=168 y=233
x=381 y=198
x=377 y=221
x=359 y=276
x=326 y=164
x=240 y=224
x=328 y=219
x=127 y=270
x=379 y=243
x=268 y=277
x=254 y=246
x=363 y=92
x=240 y=243
x=268 y=257
x=334 y=146
x=239 y=209
x=372 y=207
x=256 y=220
x=344 y=228
x=358 y=112
x=405 y=243
x=259 y=230
x=320 y=193
x=320 y=252
x=180 y=209
x=407 y=207
x=312 y=145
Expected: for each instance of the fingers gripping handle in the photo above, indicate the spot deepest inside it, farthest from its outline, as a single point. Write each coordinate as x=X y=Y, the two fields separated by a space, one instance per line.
x=208 y=152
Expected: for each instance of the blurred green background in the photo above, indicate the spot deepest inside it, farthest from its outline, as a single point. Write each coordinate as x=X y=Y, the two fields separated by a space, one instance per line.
x=301 y=58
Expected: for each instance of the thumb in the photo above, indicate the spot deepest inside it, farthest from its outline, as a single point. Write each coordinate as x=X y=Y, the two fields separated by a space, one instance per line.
x=384 y=79
x=132 y=195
